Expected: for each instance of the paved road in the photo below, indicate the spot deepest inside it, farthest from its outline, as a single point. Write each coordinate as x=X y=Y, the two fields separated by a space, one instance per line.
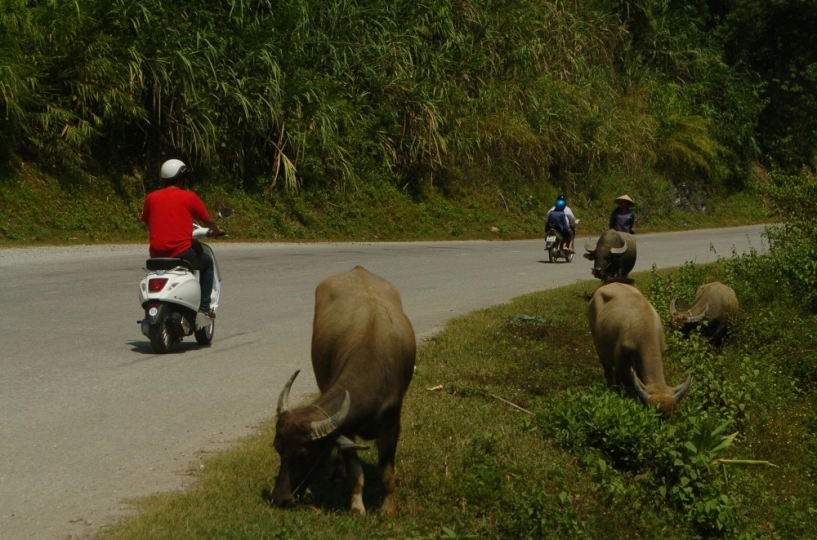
x=89 y=416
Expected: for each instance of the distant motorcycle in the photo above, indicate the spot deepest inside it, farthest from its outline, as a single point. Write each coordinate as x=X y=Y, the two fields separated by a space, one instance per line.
x=170 y=294
x=556 y=246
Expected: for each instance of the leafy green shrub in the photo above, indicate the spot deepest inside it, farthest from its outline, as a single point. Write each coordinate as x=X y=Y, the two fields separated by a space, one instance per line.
x=721 y=390
x=781 y=287
x=688 y=476
x=790 y=268
x=631 y=453
x=617 y=426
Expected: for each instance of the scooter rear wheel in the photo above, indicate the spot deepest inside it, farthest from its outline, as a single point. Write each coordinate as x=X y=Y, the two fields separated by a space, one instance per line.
x=161 y=337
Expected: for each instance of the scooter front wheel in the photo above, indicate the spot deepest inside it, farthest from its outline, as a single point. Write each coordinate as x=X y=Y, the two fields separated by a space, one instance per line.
x=161 y=337
x=205 y=335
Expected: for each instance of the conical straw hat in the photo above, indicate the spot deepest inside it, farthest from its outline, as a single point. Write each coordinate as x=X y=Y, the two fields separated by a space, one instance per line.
x=625 y=198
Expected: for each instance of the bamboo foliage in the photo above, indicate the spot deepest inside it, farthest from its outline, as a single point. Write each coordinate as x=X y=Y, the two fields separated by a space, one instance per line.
x=334 y=93
x=17 y=80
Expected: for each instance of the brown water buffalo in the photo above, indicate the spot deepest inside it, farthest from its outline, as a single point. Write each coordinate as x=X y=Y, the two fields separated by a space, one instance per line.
x=613 y=256
x=629 y=340
x=714 y=302
x=363 y=353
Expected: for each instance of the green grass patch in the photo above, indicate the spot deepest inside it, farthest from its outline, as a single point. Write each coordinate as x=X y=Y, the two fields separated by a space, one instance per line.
x=39 y=209
x=509 y=432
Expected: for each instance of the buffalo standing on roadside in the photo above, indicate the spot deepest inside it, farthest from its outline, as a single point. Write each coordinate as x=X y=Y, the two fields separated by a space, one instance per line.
x=363 y=354
x=629 y=340
x=613 y=256
x=714 y=302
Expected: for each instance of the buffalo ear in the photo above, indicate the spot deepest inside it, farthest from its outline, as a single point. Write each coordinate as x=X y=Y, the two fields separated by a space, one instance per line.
x=346 y=444
x=590 y=256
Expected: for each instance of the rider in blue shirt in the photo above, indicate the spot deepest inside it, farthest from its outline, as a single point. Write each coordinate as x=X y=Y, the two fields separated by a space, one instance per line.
x=561 y=218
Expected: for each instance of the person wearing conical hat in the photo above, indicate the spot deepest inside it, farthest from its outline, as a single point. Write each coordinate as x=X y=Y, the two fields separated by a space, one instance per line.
x=623 y=218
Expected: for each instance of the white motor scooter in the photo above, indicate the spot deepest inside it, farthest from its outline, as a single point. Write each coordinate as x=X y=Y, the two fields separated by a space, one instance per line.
x=170 y=295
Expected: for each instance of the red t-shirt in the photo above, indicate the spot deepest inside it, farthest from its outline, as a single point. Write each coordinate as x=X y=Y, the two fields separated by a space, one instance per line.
x=169 y=213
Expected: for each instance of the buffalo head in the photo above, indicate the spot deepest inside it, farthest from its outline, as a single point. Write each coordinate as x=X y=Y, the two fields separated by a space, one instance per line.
x=302 y=443
x=613 y=255
x=685 y=318
x=665 y=397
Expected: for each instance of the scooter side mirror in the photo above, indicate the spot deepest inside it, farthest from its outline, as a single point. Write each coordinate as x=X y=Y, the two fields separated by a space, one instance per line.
x=225 y=213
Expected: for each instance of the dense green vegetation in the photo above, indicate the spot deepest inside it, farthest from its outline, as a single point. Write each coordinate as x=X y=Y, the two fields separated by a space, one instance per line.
x=509 y=431
x=289 y=105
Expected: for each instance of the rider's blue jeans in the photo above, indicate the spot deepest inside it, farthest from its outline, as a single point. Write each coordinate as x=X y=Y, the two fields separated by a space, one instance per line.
x=204 y=264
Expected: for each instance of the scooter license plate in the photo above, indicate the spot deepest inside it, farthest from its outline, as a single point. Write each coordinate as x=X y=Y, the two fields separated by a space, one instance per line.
x=550 y=239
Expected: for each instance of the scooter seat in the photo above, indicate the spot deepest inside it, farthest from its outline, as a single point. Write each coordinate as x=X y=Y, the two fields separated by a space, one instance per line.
x=168 y=263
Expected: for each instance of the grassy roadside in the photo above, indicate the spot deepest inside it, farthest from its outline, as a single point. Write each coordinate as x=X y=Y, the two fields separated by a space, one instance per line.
x=41 y=210
x=582 y=462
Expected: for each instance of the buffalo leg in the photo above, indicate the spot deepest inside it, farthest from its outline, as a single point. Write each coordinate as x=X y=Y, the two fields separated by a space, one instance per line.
x=337 y=471
x=609 y=372
x=354 y=474
x=718 y=333
x=386 y=449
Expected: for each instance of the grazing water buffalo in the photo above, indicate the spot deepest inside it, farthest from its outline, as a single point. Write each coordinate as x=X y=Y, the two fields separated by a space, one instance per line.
x=363 y=353
x=629 y=340
x=614 y=255
x=715 y=302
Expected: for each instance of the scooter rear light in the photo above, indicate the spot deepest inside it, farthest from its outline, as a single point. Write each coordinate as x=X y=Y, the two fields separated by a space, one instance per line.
x=157 y=284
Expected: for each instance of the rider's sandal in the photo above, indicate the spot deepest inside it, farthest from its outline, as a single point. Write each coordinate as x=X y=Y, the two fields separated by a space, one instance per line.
x=208 y=313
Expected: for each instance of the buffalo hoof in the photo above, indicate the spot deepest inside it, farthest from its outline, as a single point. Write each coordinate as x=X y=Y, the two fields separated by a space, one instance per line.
x=387 y=508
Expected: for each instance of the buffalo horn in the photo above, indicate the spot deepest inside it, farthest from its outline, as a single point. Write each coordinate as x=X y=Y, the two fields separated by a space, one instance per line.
x=323 y=428
x=640 y=389
x=672 y=310
x=619 y=250
x=680 y=391
x=283 y=399
x=588 y=248
x=697 y=318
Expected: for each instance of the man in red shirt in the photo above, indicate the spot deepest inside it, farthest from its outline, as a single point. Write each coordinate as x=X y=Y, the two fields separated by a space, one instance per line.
x=169 y=213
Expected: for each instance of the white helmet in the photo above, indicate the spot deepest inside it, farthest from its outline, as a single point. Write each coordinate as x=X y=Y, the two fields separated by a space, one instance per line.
x=172 y=168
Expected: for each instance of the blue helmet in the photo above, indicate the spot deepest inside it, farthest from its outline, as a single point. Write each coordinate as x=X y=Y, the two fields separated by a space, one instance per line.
x=560 y=204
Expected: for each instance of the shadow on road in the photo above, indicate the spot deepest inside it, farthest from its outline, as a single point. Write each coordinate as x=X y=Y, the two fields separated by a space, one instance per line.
x=143 y=347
